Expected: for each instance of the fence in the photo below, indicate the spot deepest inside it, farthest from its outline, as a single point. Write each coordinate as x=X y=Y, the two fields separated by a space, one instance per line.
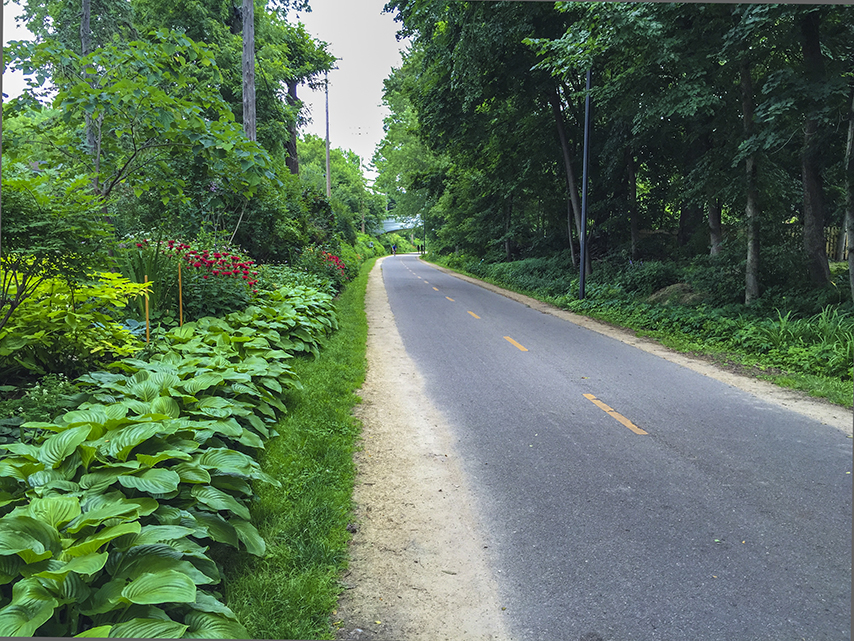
x=837 y=243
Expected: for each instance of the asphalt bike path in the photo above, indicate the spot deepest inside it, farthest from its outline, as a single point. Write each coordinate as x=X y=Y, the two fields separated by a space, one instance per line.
x=625 y=496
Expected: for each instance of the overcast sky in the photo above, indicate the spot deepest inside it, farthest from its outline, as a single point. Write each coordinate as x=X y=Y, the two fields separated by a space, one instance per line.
x=364 y=39
x=359 y=34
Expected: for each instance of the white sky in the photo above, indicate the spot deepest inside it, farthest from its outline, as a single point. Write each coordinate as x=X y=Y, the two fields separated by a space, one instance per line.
x=358 y=33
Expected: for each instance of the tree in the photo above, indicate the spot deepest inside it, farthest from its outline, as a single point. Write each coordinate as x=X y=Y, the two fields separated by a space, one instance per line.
x=153 y=101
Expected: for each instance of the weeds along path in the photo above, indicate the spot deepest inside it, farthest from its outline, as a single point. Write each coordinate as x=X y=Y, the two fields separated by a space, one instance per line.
x=418 y=568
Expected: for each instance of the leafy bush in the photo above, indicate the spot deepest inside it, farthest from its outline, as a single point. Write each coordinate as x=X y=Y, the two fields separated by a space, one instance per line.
x=69 y=329
x=316 y=260
x=216 y=278
x=44 y=400
x=109 y=515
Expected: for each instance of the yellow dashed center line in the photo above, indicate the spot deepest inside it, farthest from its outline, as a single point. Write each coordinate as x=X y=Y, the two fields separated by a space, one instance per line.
x=435 y=289
x=512 y=342
x=614 y=414
x=448 y=297
x=475 y=315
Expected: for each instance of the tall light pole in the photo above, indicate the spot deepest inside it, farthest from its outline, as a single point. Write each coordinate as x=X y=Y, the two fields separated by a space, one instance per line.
x=583 y=230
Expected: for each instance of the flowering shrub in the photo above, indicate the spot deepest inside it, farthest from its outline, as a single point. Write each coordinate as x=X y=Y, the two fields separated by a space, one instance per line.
x=319 y=261
x=216 y=281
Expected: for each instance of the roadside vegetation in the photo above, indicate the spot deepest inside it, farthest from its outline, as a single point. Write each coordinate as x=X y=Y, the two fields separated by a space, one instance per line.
x=799 y=341
x=720 y=199
x=290 y=593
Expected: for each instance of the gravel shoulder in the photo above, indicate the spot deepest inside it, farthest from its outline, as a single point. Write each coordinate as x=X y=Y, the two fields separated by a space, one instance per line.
x=419 y=567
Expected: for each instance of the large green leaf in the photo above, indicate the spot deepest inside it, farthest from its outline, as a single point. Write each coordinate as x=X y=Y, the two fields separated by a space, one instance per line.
x=109 y=509
x=31 y=539
x=10 y=568
x=57 y=446
x=152 y=481
x=94 y=416
x=145 y=391
x=208 y=603
x=86 y=564
x=102 y=478
x=218 y=500
x=165 y=380
x=207 y=625
x=157 y=533
x=167 y=406
x=167 y=586
x=122 y=441
x=227 y=461
x=192 y=473
x=216 y=407
x=249 y=536
x=153 y=459
x=55 y=510
x=250 y=439
x=101 y=632
x=148 y=629
x=31 y=607
x=93 y=542
x=202 y=382
x=218 y=529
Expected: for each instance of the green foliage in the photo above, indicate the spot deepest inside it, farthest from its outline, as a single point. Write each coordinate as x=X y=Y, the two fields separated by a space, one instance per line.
x=44 y=400
x=49 y=231
x=110 y=512
x=69 y=328
x=290 y=594
x=170 y=81
x=216 y=277
x=318 y=261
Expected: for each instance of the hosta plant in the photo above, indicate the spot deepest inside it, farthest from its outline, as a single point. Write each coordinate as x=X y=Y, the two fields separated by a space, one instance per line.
x=109 y=513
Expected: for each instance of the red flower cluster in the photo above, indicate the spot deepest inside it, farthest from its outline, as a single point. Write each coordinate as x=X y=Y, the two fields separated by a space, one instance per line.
x=215 y=263
x=334 y=262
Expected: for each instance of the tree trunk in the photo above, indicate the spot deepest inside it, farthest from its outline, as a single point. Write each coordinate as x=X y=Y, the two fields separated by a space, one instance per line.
x=634 y=223
x=690 y=219
x=716 y=236
x=814 y=241
x=573 y=206
x=249 y=69
x=292 y=160
x=751 y=278
x=849 y=194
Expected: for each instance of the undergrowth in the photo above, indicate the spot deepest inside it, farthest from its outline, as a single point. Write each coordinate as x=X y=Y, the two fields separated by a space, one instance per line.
x=290 y=593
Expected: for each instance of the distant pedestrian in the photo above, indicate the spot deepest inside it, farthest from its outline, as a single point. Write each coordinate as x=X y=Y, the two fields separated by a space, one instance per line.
x=394 y=250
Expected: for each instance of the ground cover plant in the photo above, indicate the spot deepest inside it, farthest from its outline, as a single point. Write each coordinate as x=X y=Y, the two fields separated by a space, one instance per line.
x=290 y=593
x=794 y=338
x=111 y=510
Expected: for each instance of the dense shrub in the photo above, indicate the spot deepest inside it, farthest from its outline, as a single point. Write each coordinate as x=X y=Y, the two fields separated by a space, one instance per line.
x=110 y=513
x=69 y=328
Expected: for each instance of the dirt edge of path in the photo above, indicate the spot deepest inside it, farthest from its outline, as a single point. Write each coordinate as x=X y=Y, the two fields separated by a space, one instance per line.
x=418 y=569
x=823 y=411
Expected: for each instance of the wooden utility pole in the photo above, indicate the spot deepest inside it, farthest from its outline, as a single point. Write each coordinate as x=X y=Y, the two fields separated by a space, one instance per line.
x=249 y=69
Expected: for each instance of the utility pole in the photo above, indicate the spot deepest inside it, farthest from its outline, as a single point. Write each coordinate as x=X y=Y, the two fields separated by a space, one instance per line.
x=328 y=175
x=249 y=69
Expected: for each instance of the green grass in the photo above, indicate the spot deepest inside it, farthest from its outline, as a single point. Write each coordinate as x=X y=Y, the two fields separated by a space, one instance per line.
x=292 y=592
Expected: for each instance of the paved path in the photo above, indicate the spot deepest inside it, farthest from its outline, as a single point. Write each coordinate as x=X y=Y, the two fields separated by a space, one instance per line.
x=626 y=496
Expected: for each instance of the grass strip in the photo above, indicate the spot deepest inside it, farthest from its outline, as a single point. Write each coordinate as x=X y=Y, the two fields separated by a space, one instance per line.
x=291 y=593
